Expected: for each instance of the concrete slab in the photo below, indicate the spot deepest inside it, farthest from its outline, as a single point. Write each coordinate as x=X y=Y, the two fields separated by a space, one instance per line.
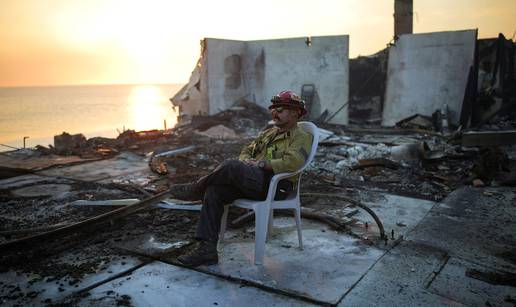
x=476 y=224
x=24 y=289
x=160 y=284
x=399 y=279
x=330 y=264
x=470 y=291
x=125 y=167
x=398 y=213
x=426 y=72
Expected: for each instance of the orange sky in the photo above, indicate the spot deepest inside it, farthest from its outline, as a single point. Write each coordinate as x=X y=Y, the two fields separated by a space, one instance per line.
x=60 y=42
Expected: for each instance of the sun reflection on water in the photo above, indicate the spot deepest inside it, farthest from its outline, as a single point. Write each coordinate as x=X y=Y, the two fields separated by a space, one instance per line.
x=149 y=107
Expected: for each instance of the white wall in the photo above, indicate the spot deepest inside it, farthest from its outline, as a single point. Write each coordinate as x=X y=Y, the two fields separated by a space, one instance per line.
x=287 y=64
x=270 y=66
x=427 y=72
x=222 y=77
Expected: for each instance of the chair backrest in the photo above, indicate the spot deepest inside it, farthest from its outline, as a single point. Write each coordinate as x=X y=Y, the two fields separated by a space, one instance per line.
x=313 y=130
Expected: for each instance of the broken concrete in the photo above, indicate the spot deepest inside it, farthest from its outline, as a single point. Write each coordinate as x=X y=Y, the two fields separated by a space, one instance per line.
x=469 y=291
x=40 y=289
x=475 y=226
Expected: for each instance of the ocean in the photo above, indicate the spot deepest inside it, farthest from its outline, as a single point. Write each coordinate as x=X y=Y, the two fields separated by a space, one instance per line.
x=39 y=113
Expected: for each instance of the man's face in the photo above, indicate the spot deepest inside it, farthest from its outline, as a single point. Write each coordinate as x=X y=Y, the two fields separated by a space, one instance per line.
x=284 y=117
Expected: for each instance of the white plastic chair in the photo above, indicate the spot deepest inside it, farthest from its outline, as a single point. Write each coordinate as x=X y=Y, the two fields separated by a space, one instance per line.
x=264 y=210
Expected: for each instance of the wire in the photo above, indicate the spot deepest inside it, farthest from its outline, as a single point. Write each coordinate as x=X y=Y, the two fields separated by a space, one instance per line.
x=10 y=146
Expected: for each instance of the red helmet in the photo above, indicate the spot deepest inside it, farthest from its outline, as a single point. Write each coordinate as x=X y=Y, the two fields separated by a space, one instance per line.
x=288 y=99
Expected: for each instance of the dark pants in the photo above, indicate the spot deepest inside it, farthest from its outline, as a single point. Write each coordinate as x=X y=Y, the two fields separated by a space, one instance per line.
x=229 y=181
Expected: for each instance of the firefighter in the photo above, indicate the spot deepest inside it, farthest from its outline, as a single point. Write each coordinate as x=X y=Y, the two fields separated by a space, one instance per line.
x=282 y=148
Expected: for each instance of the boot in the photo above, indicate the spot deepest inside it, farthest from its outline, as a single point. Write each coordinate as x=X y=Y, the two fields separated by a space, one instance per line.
x=186 y=191
x=205 y=253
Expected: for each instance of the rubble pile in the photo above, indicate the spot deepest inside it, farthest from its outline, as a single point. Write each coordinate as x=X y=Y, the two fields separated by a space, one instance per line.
x=424 y=165
x=414 y=165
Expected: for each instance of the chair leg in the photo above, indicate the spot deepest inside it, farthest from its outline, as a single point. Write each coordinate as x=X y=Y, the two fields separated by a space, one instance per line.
x=297 y=213
x=223 y=223
x=270 y=225
x=261 y=225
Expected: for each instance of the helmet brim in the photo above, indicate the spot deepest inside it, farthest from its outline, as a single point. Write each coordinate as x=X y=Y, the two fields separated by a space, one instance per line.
x=289 y=106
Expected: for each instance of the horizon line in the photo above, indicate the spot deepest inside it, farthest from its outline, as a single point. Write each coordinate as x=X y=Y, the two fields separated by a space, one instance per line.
x=88 y=84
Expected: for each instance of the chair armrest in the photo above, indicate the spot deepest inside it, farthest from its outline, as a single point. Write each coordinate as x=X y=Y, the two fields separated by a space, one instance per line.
x=274 y=184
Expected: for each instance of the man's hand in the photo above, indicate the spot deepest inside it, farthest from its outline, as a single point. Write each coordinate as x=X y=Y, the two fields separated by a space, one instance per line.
x=251 y=162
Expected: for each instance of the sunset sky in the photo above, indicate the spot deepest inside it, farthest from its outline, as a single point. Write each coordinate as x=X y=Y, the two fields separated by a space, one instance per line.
x=66 y=42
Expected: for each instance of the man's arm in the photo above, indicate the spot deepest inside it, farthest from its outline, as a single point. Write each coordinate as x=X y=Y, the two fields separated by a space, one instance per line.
x=247 y=152
x=295 y=155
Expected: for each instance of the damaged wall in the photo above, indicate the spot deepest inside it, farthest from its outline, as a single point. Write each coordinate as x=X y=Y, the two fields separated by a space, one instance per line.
x=256 y=70
x=427 y=72
x=290 y=63
x=225 y=73
x=496 y=79
x=194 y=92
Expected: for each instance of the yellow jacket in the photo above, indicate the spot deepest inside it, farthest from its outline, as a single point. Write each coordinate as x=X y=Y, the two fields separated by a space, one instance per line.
x=286 y=152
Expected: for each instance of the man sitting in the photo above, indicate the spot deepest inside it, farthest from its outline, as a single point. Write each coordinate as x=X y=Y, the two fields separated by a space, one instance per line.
x=283 y=148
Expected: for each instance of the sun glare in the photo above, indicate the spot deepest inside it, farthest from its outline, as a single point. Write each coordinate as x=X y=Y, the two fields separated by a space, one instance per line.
x=149 y=108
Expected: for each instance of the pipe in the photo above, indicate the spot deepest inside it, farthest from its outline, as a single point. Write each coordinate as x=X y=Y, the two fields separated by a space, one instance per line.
x=356 y=203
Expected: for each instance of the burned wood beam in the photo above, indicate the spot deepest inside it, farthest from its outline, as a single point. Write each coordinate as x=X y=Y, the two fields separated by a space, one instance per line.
x=489 y=138
x=364 y=163
x=8 y=172
x=8 y=233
